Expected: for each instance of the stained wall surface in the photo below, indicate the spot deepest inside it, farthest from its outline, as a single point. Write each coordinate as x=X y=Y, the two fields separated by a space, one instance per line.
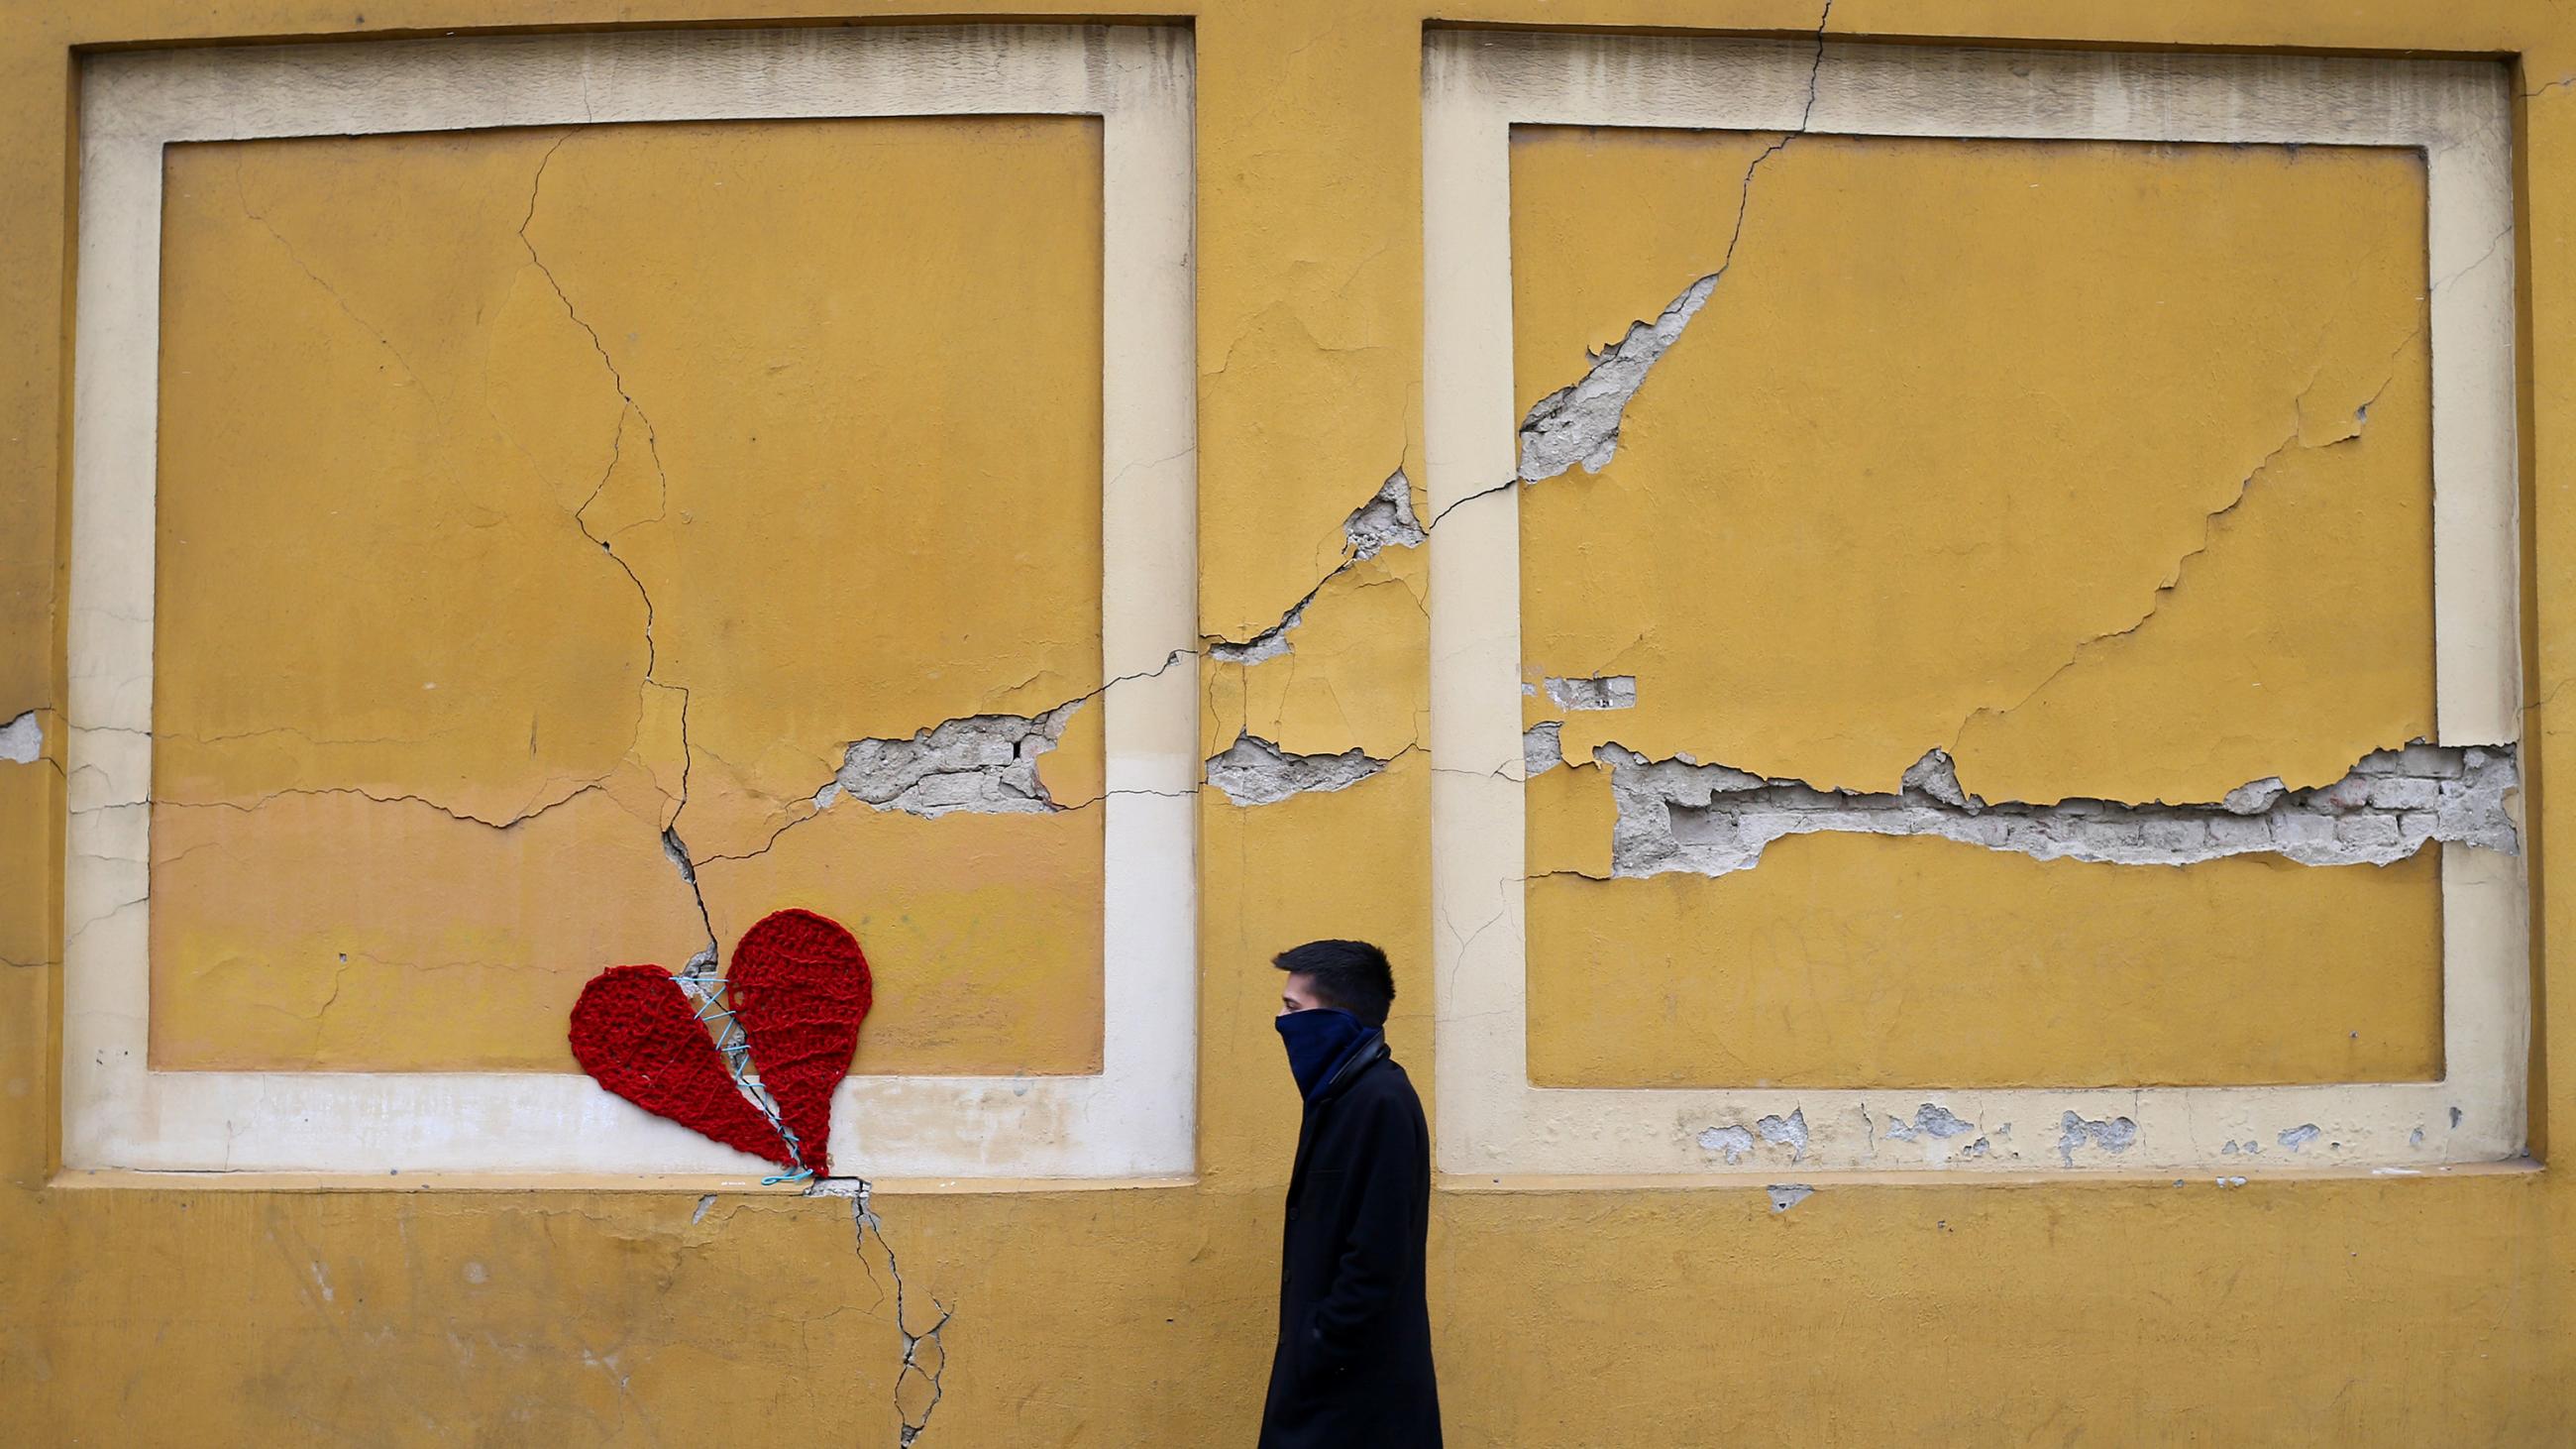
x=381 y=309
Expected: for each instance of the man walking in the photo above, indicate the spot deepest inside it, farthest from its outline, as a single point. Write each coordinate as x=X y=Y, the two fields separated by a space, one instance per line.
x=1353 y=1366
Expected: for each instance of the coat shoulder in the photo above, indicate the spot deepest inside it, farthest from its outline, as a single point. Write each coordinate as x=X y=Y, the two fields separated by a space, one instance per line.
x=1384 y=1087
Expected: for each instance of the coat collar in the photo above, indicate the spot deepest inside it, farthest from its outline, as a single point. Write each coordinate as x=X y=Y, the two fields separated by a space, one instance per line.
x=1334 y=1086
x=1369 y=1052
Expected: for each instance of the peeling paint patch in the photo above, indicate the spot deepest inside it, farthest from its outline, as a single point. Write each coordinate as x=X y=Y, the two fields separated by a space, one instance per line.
x=1676 y=815
x=22 y=739
x=2299 y=1137
x=1930 y=1120
x=986 y=763
x=1732 y=1143
x=1607 y=691
x=1254 y=771
x=1735 y=1141
x=1786 y=1195
x=1542 y=749
x=2111 y=1134
x=1789 y=1132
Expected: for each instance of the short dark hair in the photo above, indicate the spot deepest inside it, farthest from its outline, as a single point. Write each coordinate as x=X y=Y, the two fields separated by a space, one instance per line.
x=1352 y=975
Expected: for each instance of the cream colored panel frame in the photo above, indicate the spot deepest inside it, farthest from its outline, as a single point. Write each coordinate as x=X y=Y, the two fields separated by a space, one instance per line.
x=1476 y=87
x=1137 y=1117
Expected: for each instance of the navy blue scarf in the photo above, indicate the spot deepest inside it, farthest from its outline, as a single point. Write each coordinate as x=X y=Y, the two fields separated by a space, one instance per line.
x=1319 y=1042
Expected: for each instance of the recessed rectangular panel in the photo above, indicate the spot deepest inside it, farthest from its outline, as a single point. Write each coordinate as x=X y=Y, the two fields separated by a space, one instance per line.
x=546 y=514
x=1911 y=478
x=524 y=493
x=2099 y=467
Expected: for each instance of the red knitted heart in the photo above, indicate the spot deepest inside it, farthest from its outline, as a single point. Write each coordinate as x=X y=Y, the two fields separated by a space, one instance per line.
x=633 y=1031
x=800 y=989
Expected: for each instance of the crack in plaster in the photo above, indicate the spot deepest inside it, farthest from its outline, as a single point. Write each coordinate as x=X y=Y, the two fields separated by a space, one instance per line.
x=704 y=964
x=1255 y=771
x=915 y=1374
x=242 y=195
x=1675 y=815
x=1385 y=521
x=462 y=816
x=2494 y=244
x=2295 y=439
x=1579 y=423
x=537 y=805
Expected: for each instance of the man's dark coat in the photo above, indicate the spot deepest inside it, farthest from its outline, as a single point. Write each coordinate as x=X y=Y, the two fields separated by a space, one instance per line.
x=1353 y=1368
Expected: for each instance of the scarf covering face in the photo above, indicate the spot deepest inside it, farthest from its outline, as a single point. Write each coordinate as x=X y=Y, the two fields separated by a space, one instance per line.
x=1319 y=1041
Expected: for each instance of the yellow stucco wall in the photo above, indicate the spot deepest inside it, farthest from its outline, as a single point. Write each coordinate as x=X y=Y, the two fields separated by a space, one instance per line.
x=1964 y=405
x=1929 y=472
x=408 y=429
x=2319 y=1309
x=1853 y=961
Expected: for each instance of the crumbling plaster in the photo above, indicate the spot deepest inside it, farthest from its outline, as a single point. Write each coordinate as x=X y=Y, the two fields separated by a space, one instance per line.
x=1328 y=694
x=1710 y=819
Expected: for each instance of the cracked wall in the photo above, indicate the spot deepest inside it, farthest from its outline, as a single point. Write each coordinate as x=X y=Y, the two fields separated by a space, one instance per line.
x=576 y=1316
x=579 y=503
x=1879 y=497
x=1828 y=490
x=1335 y=677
